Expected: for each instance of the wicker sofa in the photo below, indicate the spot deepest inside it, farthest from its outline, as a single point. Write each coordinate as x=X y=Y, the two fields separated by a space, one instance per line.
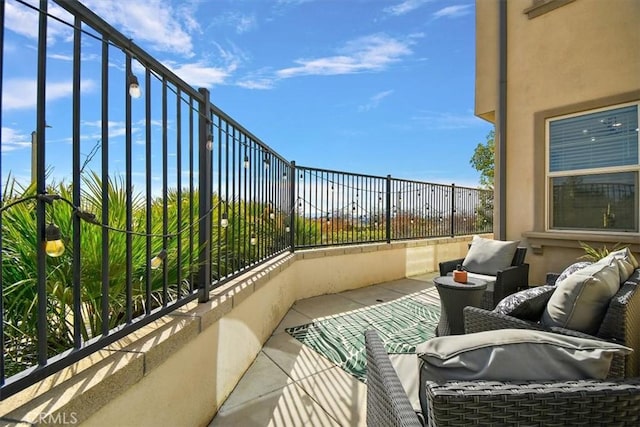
x=458 y=403
x=621 y=324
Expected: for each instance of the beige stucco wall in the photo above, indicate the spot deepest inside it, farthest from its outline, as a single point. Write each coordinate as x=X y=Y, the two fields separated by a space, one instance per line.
x=486 y=59
x=180 y=369
x=578 y=56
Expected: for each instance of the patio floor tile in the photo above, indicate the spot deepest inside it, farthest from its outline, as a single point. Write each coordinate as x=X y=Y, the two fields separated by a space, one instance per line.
x=290 y=384
x=289 y=406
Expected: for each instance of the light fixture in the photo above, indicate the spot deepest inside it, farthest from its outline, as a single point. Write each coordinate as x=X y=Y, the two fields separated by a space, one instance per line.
x=272 y=215
x=224 y=221
x=253 y=240
x=266 y=161
x=134 y=87
x=54 y=246
x=156 y=261
x=284 y=176
x=328 y=219
x=209 y=142
x=246 y=161
x=287 y=228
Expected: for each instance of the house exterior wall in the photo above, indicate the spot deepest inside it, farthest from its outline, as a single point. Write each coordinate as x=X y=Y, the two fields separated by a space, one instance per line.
x=562 y=57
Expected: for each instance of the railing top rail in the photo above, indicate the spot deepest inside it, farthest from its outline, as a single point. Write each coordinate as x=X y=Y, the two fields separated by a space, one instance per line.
x=338 y=172
x=78 y=9
x=218 y=112
x=411 y=181
x=128 y=46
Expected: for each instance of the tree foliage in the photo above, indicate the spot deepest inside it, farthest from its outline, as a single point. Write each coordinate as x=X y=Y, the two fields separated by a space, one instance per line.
x=483 y=160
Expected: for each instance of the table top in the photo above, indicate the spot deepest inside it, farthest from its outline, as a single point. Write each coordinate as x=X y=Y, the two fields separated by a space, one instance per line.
x=448 y=282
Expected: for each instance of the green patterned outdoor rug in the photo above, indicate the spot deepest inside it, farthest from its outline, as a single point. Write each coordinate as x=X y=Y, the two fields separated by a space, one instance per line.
x=402 y=324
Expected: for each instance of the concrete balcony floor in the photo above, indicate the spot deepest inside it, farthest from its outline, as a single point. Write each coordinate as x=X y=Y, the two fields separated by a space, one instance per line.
x=290 y=384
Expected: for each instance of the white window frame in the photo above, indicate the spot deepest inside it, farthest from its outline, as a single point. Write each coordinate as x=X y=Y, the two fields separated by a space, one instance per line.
x=611 y=169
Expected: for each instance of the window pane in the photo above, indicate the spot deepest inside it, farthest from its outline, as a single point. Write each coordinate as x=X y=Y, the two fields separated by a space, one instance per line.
x=602 y=139
x=596 y=202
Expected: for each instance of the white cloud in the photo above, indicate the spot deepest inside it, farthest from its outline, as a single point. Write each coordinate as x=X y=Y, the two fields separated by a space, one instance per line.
x=240 y=22
x=153 y=21
x=453 y=11
x=369 y=53
x=405 y=7
x=447 y=121
x=14 y=140
x=115 y=129
x=23 y=20
x=257 y=83
x=200 y=75
x=374 y=101
x=21 y=93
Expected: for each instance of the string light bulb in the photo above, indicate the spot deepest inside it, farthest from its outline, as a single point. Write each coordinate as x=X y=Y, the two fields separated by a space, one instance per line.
x=253 y=240
x=209 y=142
x=272 y=215
x=246 y=161
x=54 y=246
x=224 y=221
x=134 y=87
x=287 y=228
x=267 y=162
x=156 y=261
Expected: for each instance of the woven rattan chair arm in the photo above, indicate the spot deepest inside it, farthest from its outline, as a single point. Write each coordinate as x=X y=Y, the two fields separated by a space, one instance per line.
x=449 y=266
x=387 y=401
x=478 y=320
x=588 y=402
x=510 y=280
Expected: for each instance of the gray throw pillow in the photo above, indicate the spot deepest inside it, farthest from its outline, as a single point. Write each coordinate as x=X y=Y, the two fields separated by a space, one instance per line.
x=515 y=355
x=572 y=269
x=488 y=256
x=581 y=300
x=527 y=304
x=626 y=263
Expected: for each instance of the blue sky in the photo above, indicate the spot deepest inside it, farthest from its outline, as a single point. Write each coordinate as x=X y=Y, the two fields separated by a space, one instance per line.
x=369 y=86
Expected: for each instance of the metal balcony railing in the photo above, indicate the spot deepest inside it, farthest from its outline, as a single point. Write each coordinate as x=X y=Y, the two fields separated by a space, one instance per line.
x=179 y=202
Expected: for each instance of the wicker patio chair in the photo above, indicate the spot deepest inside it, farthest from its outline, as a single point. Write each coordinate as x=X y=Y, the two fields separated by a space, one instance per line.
x=507 y=281
x=621 y=324
x=463 y=403
x=387 y=402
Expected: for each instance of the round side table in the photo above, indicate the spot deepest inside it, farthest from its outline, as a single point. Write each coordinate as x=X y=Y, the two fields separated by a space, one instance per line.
x=454 y=297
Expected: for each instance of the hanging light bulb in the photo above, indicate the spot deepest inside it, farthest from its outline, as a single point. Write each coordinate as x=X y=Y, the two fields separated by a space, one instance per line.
x=156 y=261
x=328 y=219
x=134 y=87
x=224 y=221
x=246 y=161
x=284 y=176
x=272 y=215
x=209 y=142
x=54 y=246
x=287 y=228
x=253 y=240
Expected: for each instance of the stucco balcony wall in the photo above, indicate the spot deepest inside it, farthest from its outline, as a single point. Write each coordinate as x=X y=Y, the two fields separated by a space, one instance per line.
x=180 y=369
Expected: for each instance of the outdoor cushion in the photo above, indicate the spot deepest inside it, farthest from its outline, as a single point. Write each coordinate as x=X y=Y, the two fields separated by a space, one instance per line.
x=626 y=263
x=515 y=355
x=572 y=269
x=527 y=304
x=580 y=301
x=488 y=256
